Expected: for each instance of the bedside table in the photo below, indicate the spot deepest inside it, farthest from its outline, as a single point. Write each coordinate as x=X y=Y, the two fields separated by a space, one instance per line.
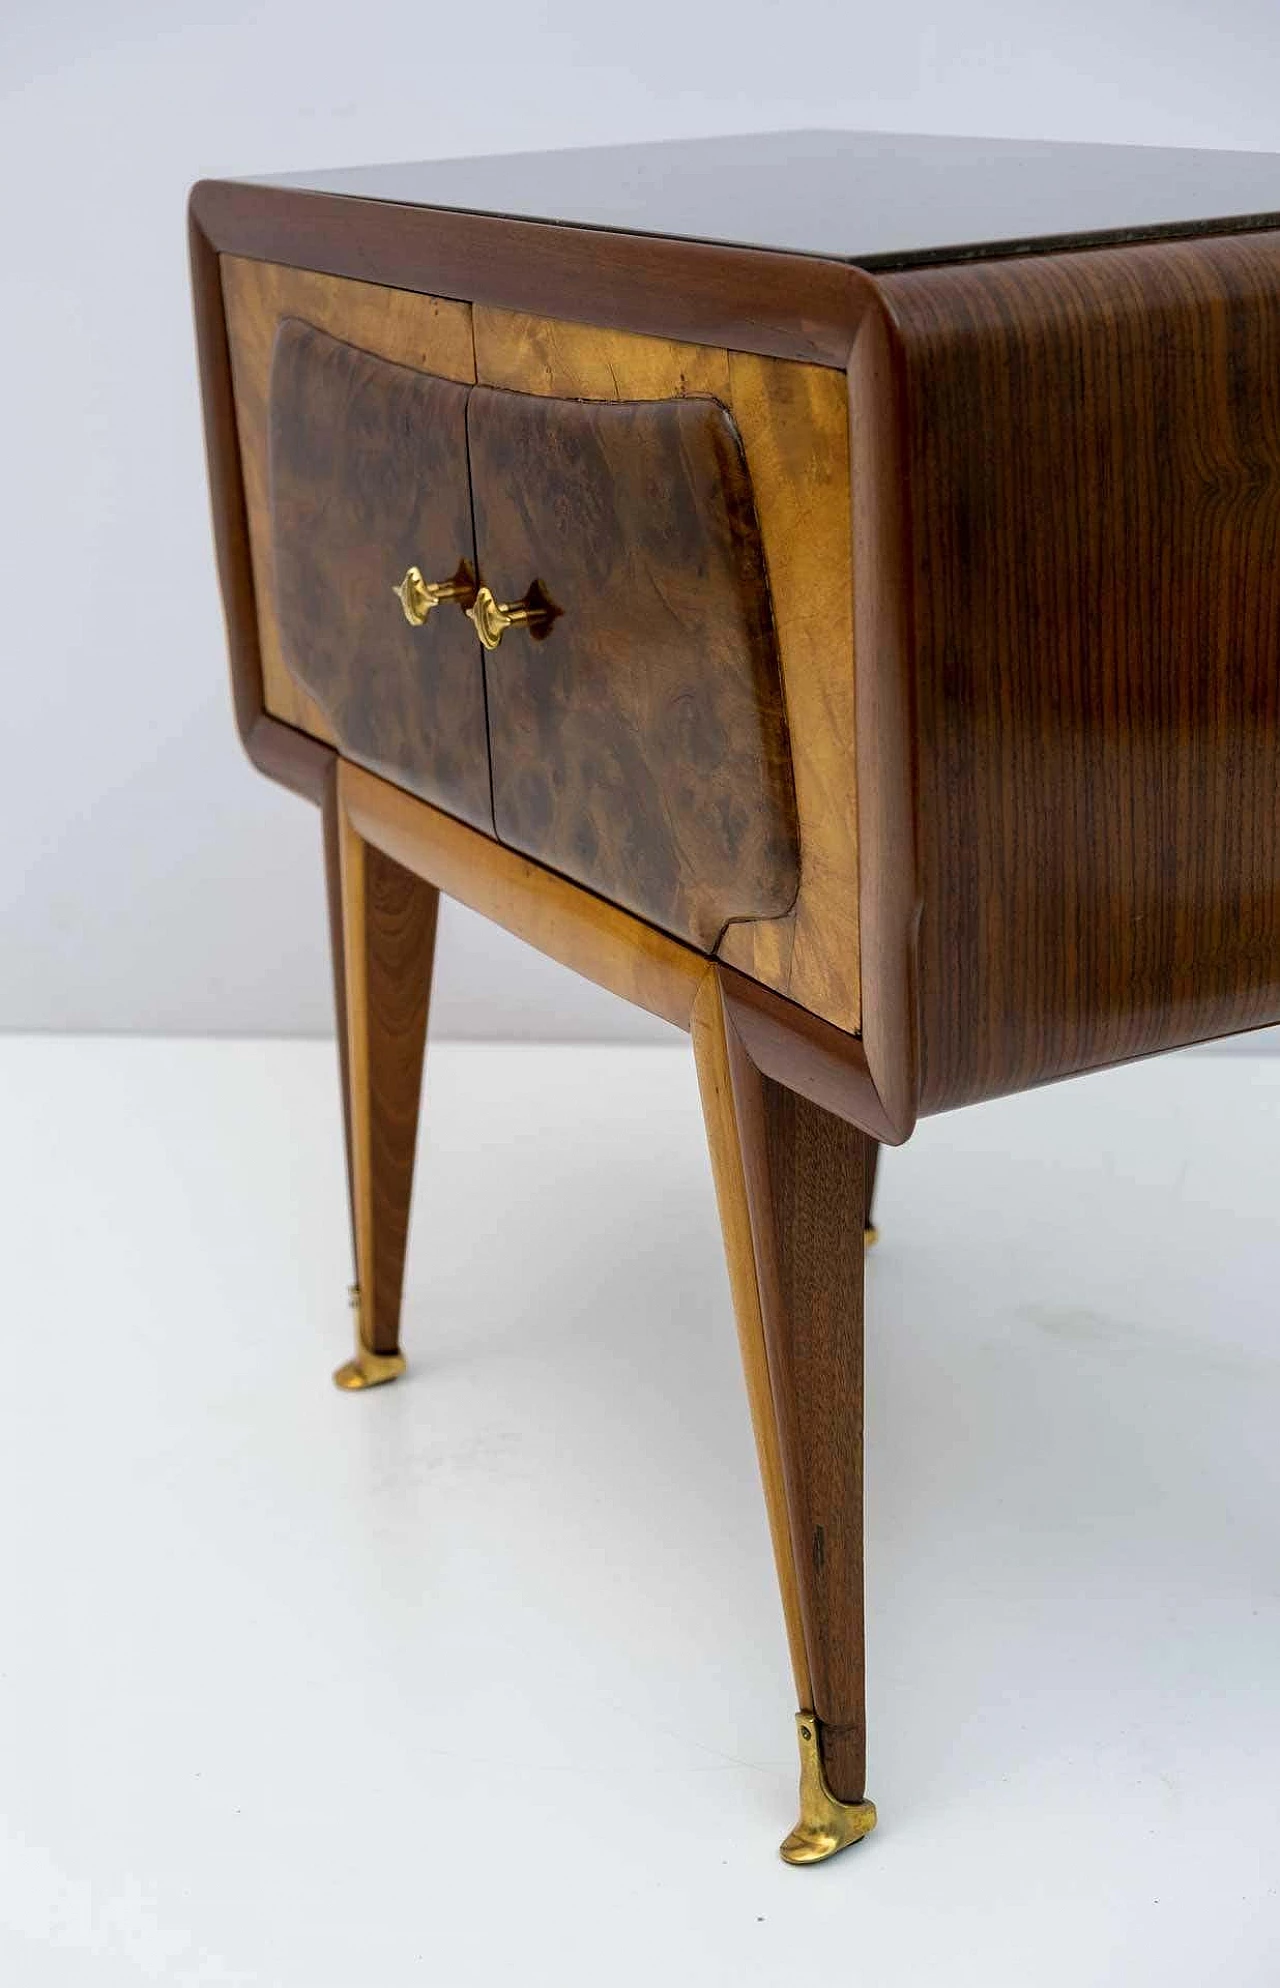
x=823 y=587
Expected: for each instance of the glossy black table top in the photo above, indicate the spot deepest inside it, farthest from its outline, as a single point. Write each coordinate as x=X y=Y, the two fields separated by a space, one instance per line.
x=873 y=198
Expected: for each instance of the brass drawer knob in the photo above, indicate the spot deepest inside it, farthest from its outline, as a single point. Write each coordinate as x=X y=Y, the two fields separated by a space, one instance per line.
x=491 y=619
x=417 y=596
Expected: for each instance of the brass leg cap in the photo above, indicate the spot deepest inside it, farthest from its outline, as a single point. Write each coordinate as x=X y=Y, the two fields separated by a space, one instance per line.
x=826 y=1825
x=870 y=1236
x=369 y=1370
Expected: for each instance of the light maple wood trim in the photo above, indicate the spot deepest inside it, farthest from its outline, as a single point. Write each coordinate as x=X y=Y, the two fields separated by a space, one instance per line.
x=608 y=946
x=530 y=354
x=794 y=423
x=432 y=334
x=710 y=1028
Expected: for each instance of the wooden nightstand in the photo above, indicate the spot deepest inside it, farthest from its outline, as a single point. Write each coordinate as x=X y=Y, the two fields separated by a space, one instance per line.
x=824 y=588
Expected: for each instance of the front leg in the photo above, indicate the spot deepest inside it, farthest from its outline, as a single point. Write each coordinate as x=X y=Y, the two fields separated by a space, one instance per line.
x=791 y=1184
x=384 y=945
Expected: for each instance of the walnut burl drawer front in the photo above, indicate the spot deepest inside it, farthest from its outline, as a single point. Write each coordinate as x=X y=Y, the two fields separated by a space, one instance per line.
x=368 y=478
x=638 y=738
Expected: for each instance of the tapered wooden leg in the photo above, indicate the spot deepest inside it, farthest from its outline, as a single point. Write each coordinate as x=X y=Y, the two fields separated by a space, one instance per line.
x=331 y=819
x=385 y=940
x=870 y=1232
x=791 y=1188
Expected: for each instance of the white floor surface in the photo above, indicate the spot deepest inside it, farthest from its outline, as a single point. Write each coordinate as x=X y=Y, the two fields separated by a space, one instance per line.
x=481 y=1678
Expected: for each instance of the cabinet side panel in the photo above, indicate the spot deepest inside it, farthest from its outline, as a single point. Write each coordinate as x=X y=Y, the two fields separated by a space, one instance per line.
x=1093 y=458
x=429 y=333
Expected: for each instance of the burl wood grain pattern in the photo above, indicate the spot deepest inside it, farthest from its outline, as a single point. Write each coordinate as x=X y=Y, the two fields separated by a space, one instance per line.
x=388 y=945
x=431 y=334
x=794 y=424
x=369 y=476
x=640 y=746
x=791 y=1182
x=1093 y=450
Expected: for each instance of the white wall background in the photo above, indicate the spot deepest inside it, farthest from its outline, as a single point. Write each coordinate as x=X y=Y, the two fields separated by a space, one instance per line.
x=148 y=879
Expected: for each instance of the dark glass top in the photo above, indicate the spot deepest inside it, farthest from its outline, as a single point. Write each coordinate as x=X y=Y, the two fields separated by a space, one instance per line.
x=875 y=198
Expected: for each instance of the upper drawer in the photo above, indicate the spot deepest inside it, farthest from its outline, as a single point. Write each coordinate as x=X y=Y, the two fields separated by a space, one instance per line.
x=636 y=730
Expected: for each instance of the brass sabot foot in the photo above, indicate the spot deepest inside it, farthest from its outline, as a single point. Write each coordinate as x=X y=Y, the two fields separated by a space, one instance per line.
x=368 y=1369
x=825 y=1824
x=870 y=1236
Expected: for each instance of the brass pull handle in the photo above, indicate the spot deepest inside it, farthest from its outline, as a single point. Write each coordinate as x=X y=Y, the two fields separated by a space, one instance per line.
x=491 y=619
x=417 y=596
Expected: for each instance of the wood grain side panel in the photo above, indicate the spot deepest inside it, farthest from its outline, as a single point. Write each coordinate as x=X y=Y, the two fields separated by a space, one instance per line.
x=638 y=743
x=1093 y=454
x=794 y=424
x=428 y=333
